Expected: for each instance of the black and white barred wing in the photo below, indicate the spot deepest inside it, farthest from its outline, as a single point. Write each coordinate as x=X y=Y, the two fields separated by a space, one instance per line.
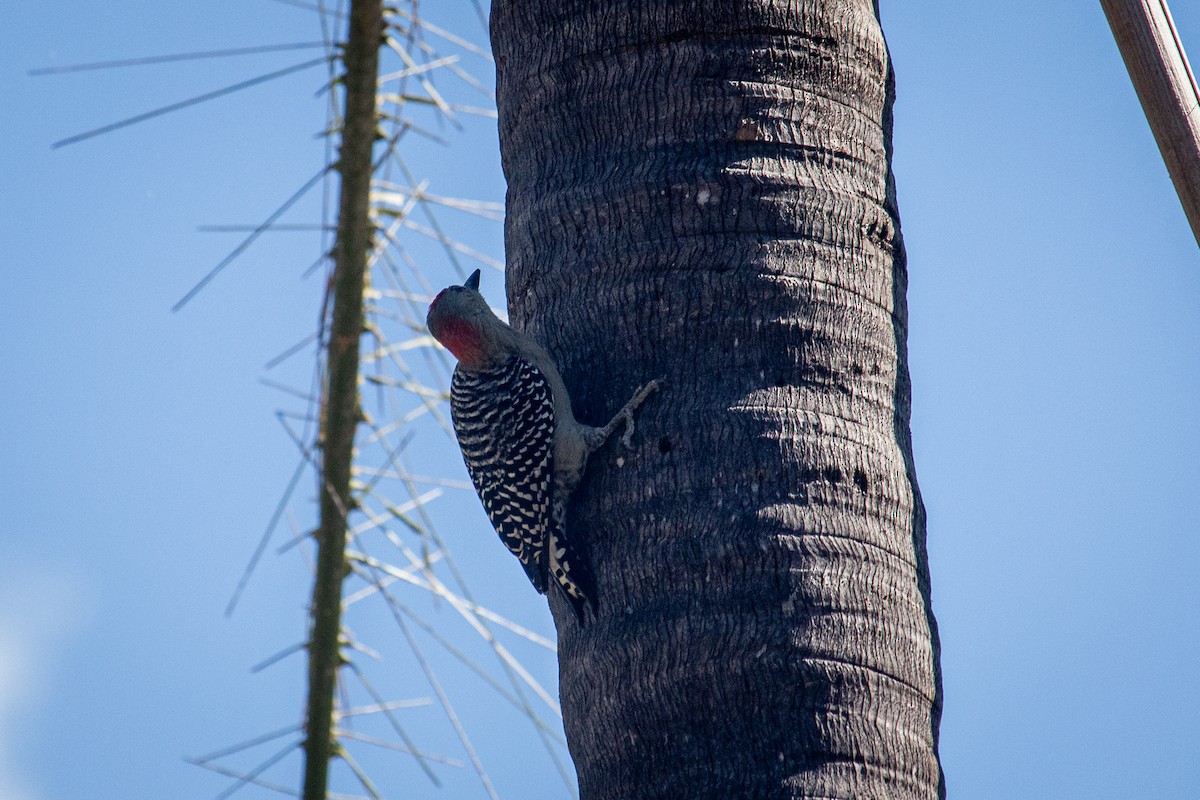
x=504 y=419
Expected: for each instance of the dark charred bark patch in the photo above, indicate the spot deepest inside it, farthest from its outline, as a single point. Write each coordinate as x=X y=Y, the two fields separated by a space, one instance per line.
x=860 y=480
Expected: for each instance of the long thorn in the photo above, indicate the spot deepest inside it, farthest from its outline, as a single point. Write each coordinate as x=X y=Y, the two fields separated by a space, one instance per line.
x=237 y=748
x=252 y=775
x=237 y=251
x=137 y=62
x=158 y=112
x=232 y=773
x=310 y=7
x=266 y=537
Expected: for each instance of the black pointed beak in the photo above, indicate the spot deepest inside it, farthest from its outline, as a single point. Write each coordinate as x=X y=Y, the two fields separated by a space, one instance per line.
x=472 y=282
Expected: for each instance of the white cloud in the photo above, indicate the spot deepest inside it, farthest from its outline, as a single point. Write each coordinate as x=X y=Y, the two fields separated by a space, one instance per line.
x=39 y=608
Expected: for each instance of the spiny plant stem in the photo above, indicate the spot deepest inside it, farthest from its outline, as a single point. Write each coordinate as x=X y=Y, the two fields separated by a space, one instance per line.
x=341 y=406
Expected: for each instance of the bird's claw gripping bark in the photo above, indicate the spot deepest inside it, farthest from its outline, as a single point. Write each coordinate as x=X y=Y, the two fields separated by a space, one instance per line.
x=598 y=436
x=626 y=413
x=627 y=437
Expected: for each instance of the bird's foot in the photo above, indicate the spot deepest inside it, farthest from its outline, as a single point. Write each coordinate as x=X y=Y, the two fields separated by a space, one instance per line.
x=634 y=403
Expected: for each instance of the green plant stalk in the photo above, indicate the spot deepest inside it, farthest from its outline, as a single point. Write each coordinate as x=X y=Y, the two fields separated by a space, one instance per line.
x=341 y=402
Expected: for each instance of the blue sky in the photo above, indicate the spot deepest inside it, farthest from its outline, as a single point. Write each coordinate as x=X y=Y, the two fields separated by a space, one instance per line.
x=1055 y=314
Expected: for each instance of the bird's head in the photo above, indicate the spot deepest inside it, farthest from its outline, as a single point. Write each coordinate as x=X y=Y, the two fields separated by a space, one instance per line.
x=461 y=320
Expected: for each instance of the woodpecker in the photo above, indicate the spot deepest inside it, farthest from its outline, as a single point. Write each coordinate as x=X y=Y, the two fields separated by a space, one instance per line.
x=523 y=447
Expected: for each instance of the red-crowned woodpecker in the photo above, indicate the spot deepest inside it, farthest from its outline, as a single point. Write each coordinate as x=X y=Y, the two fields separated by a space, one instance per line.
x=524 y=449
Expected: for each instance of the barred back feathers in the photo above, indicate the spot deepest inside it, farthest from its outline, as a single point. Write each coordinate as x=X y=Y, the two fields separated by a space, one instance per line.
x=504 y=419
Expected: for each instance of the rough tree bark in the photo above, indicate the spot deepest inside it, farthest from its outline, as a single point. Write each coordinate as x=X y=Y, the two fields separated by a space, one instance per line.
x=703 y=191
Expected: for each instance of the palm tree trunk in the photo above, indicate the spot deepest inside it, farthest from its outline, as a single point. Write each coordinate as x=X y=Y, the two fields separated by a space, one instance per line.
x=703 y=191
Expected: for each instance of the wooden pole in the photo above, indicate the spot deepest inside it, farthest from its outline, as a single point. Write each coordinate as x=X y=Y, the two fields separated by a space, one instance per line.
x=1164 y=82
